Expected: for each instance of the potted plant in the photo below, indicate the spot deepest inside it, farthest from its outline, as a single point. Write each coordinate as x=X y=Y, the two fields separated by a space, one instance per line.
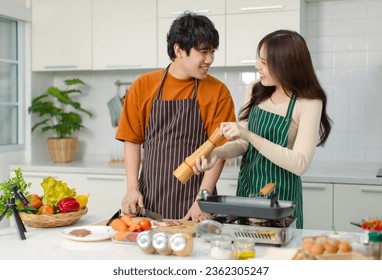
x=60 y=114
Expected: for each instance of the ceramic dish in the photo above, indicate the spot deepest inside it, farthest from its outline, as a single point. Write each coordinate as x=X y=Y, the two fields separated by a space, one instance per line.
x=98 y=233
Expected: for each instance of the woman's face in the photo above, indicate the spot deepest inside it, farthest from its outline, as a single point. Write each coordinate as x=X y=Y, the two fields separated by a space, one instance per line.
x=266 y=78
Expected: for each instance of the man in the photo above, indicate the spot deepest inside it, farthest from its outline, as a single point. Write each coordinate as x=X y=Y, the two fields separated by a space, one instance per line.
x=171 y=112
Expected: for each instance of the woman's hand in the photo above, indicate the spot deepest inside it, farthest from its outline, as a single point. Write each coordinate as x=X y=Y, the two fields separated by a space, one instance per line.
x=205 y=163
x=233 y=131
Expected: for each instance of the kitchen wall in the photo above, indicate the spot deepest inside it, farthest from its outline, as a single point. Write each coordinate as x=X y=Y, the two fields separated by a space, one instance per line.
x=345 y=39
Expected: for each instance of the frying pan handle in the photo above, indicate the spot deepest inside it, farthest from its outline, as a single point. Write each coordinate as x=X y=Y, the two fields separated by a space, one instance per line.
x=274 y=200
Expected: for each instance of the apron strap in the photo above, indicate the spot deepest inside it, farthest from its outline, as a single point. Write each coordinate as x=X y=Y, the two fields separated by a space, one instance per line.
x=159 y=94
x=292 y=102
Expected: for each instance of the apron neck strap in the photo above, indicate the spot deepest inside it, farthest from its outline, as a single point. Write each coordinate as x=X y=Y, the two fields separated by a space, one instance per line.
x=159 y=94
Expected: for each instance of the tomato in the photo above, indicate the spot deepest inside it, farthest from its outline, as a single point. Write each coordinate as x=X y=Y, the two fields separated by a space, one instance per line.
x=47 y=209
x=34 y=201
x=145 y=224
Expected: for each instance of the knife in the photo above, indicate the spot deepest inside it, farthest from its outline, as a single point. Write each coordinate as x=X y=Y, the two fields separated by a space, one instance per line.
x=150 y=214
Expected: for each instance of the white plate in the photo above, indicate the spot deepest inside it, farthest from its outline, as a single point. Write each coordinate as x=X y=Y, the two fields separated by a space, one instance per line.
x=97 y=233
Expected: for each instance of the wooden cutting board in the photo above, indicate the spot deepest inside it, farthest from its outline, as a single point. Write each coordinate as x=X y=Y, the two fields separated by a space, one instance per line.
x=186 y=227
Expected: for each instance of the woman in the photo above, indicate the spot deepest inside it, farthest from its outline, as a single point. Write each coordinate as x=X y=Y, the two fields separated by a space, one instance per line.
x=283 y=121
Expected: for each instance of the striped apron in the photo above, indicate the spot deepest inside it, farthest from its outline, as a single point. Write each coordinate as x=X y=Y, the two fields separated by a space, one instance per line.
x=175 y=130
x=256 y=170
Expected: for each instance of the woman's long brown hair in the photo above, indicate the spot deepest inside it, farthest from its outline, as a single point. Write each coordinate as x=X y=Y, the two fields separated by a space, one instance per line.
x=289 y=63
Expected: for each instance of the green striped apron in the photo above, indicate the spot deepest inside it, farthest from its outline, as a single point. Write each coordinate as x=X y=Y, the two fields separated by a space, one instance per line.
x=256 y=170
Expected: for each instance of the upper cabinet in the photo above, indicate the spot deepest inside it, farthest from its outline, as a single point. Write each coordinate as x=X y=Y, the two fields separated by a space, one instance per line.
x=124 y=34
x=130 y=34
x=61 y=35
x=168 y=10
x=248 y=21
x=93 y=34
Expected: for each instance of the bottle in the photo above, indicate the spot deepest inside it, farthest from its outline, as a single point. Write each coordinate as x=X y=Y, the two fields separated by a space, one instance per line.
x=182 y=244
x=374 y=246
x=145 y=242
x=244 y=249
x=161 y=243
x=221 y=247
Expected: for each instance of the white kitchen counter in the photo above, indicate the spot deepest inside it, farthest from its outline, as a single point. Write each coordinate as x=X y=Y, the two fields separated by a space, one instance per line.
x=49 y=244
x=320 y=172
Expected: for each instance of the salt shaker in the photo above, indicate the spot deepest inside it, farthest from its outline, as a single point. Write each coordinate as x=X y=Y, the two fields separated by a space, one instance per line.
x=374 y=246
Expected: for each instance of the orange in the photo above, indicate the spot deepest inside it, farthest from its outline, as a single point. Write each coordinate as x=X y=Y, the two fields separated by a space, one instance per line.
x=46 y=209
x=34 y=201
x=145 y=224
x=118 y=225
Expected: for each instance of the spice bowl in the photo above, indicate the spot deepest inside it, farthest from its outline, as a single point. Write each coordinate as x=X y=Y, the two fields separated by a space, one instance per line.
x=244 y=249
x=221 y=247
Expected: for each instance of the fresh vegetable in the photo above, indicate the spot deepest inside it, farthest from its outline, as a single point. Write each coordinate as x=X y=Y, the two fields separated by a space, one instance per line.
x=83 y=200
x=67 y=205
x=34 y=201
x=145 y=224
x=55 y=191
x=6 y=191
x=373 y=224
x=46 y=209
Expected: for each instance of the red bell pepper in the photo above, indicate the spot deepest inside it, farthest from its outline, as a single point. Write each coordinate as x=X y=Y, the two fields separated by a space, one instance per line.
x=68 y=204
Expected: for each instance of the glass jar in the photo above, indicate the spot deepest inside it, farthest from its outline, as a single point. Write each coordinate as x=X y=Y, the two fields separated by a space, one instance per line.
x=144 y=241
x=161 y=243
x=182 y=244
x=221 y=247
x=374 y=246
x=244 y=249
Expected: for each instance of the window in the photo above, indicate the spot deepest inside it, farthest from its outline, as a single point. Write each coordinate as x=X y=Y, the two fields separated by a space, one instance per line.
x=11 y=87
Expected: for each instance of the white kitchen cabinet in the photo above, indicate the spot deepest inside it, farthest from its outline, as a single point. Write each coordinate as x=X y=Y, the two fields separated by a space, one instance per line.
x=61 y=35
x=168 y=10
x=352 y=203
x=124 y=34
x=248 y=21
x=318 y=205
x=226 y=186
x=106 y=192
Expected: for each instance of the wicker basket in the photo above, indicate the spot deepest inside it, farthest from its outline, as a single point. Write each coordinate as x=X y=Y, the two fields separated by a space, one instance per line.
x=50 y=221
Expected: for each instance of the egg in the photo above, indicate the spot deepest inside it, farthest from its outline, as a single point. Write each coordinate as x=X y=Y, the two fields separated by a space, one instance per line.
x=330 y=247
x=321 y=240
x=316 y=249
x=344 y=246
x=306 y=244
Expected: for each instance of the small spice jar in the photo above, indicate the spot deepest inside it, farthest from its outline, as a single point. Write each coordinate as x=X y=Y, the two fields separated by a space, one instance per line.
x=144 y=241
x=374 y=246
x=182 y=244
x=161 y=243
x=244 y=249
x=221 y=247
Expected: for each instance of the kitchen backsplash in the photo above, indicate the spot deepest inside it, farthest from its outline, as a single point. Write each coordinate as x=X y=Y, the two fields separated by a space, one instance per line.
x=345 y=40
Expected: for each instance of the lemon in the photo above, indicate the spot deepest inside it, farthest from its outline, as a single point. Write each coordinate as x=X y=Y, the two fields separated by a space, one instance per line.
x=83 y=199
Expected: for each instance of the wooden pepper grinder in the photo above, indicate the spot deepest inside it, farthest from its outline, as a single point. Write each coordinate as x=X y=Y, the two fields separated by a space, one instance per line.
x=184 y=172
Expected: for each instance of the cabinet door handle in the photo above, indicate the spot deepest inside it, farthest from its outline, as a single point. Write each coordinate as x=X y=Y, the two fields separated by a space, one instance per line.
x=116 y=66
x=248 y=61
x=39 y=176
x=262 y=8
x=318 y=188
x=61 y=67
x=105 y=178
x=371 y=190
